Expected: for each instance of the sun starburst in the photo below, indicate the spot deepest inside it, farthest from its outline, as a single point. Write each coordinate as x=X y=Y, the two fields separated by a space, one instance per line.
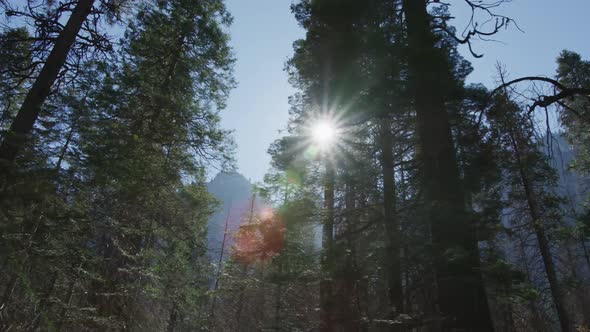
x=324 y=133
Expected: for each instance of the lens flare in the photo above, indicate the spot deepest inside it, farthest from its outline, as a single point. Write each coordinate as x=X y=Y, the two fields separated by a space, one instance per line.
x=261 y=240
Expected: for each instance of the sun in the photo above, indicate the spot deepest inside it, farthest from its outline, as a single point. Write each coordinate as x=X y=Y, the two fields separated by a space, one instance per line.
x=324 y=133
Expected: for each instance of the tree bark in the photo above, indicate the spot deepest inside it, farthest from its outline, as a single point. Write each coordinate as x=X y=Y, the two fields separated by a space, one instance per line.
x=391 y=221
x=461 y=295
x=29 y=112
x=220 y=262
x=520 y=148
x=173 y=318
x=326 y=291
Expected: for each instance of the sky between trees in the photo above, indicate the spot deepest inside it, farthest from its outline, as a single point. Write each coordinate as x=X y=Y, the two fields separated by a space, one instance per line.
x=258 y=109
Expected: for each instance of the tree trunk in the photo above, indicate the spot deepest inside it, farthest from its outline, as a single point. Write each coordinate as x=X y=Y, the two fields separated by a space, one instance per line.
x=326 y=291
x=220 y=264
x=391 y=222
x=461 y=295
x=520 y=148
x=585 y=248
x=29 y=112
x=173 y=318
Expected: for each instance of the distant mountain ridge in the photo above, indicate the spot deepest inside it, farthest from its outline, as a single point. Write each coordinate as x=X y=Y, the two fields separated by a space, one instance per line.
x=571 y=185
x=234 y=193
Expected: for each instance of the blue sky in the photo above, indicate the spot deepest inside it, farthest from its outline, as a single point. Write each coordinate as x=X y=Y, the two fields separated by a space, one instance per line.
x=262 y=36
x=264 y=31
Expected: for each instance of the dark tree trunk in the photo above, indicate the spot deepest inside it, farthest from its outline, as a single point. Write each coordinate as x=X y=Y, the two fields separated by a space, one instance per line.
x=520 y=149
x=346 y=314
x=461 y=295
x=29 y=112
x=326 y=291
x=586 y=253
x=335 y=51
x=391 y=221
x=173 y=318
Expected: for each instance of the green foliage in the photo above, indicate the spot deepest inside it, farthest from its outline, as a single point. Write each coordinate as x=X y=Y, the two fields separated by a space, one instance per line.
x=104 y=223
